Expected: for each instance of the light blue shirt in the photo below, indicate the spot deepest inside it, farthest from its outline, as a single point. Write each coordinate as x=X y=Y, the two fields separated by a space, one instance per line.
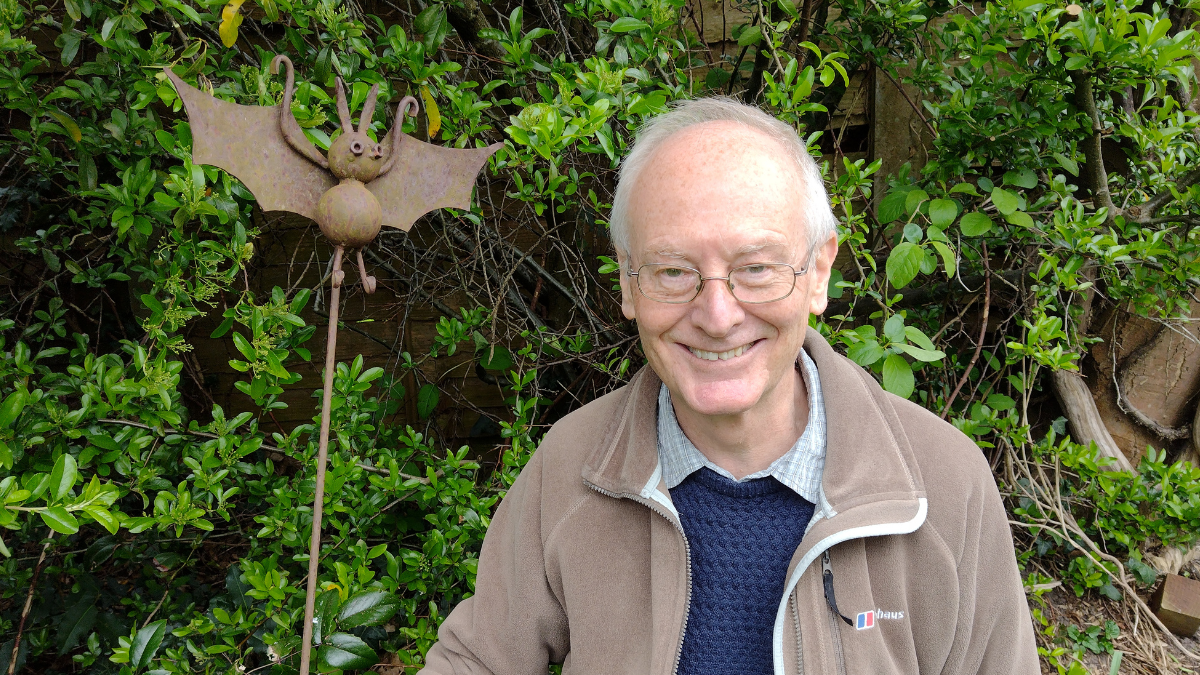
x=799 y=468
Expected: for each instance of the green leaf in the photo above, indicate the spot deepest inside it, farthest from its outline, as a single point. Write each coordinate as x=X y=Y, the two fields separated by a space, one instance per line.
x=70 y=40
x=72 y=7
x=918 y=338
x=13 y=404
x=904 y=263
x=949 y=261
x=325 y=615
x=368 y=608
x=1067 y=163
x=145 y=644
x=103 y=516
x=964 y=187
x=975 y=224
x=1000 y=402
x=67 y=123
x=787 y=6
x=893 y=328
x=891 y=208
x=1025 y=178
x=833 y=291
x=76 y=622
x=913 y=200
x=1019 y=218
x=58 y=519
x=943 y=212
x=626 y=24
x=427 y=400
x=1005 y=201
x=345 y=651
x=751 y=36
x=898 y=376
x=866 y=353
x=495 y=357
x=1076 y=62
x=919 y=354
x=62 y=477
x=243 y=345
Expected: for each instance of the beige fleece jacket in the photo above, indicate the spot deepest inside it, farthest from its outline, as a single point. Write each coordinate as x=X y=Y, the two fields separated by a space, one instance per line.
x=586 y=564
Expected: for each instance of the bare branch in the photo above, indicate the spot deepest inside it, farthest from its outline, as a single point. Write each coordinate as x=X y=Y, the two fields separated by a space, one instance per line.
x=1144 y=212
x=1086 y=100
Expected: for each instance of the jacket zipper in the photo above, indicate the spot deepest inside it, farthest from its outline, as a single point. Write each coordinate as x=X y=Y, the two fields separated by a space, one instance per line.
x=834 y=613
x=799 y=637
x=687 y=608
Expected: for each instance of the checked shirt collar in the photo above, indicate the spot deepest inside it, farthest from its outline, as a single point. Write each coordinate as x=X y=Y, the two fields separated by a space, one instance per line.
x=800 y=468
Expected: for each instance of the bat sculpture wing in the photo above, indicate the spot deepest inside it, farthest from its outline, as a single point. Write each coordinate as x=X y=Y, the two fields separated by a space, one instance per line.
x=247 y=141
x=425 y=177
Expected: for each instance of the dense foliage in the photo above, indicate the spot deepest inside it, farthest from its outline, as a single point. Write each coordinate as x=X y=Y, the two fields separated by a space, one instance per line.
x=150 y=527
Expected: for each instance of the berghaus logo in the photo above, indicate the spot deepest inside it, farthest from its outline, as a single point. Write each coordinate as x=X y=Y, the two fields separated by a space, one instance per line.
x=866 y=620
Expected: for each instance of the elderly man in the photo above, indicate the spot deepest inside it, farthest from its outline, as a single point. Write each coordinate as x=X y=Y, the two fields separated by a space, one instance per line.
x=751 y=502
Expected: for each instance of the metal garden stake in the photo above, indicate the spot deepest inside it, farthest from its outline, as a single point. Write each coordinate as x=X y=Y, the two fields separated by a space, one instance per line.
x=359 y=187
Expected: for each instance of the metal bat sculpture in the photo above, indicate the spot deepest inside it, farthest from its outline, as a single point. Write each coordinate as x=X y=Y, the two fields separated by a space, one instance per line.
x=361 y=186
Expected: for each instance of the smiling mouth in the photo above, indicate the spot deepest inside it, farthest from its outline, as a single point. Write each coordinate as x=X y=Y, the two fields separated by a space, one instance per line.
x=721 y=356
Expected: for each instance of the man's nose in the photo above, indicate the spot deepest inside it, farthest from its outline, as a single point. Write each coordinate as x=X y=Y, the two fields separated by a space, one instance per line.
x=715 y=310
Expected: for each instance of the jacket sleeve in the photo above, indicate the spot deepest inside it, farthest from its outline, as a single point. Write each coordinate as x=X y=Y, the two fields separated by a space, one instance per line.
x=514 y=624
x=995 y=629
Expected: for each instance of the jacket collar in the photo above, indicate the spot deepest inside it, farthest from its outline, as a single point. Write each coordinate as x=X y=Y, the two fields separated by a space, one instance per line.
x=870 y=476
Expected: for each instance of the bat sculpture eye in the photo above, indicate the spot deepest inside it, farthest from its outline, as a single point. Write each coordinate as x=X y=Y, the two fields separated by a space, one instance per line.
x=356 y=147
x=378 y=150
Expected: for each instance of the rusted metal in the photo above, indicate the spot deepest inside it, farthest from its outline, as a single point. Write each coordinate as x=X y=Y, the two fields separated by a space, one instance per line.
x=361 y=186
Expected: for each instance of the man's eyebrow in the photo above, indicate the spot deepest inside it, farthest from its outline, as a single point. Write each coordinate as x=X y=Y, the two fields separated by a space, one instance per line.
x=755 y=248
x=667 y=253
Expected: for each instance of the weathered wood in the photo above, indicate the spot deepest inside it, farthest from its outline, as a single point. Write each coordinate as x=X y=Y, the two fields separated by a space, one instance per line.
x=1177 y=604
x=1086 y=425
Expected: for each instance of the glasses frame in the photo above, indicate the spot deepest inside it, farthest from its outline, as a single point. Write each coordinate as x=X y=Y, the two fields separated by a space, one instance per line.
x=700 y=287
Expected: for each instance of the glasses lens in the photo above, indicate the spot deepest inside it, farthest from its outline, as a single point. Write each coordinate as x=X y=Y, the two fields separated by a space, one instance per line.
x=762 y=283
x=668 y=283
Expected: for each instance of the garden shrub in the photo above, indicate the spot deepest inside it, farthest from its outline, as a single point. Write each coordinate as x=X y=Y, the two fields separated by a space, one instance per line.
x=156 y=529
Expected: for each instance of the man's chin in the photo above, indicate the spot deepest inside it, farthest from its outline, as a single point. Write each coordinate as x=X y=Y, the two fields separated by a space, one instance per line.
x=721 y=398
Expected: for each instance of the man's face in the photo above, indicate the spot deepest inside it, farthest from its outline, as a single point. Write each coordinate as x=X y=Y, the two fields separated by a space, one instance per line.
x=713 y=197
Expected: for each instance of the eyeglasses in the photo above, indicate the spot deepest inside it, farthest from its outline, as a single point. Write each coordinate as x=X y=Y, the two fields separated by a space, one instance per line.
x=753 y=284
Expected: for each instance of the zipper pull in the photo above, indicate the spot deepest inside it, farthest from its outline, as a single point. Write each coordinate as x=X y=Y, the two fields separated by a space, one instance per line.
x=827 y=578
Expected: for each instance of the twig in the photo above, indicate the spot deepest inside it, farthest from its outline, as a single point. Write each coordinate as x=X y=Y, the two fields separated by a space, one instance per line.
x=987 y=305
x=37 y=569
x=955 y=320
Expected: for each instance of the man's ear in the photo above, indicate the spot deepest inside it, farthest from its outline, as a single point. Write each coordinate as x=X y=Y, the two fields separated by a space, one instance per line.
x=627 y=289
x=819 y=275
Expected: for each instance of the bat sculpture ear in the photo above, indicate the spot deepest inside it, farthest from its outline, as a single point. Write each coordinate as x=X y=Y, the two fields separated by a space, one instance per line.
x=408 y=106
x=343 y=108
x=287 y=121
x=368 y=111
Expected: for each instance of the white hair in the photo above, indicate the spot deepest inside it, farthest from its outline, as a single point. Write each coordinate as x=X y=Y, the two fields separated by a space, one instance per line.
x=819 y=221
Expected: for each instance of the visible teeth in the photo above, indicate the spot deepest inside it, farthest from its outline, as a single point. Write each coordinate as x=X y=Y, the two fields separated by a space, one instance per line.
x=719 y=356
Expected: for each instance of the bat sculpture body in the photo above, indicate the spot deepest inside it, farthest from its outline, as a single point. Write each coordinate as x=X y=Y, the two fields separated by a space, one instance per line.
x=361 y=186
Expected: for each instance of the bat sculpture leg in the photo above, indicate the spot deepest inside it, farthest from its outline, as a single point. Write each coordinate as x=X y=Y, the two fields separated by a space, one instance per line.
x=314 y=544
x=368 y=281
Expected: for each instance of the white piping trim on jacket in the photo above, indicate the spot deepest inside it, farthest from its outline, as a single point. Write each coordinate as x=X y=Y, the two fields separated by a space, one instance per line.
x=823 y=545
x=651 y=491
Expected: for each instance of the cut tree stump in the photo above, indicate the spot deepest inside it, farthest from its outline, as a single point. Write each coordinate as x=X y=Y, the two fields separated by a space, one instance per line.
x=1177 y=604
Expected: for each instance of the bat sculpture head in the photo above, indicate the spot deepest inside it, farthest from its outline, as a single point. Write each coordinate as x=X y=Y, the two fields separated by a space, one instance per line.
x=359 y=187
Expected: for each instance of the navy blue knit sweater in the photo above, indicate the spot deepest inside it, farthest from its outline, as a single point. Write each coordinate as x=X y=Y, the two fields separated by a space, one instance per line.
x=742 y=537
